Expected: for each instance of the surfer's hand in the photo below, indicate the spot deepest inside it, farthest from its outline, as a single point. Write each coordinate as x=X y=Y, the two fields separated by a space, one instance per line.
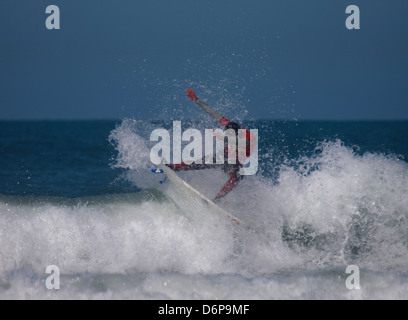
x=191 y=94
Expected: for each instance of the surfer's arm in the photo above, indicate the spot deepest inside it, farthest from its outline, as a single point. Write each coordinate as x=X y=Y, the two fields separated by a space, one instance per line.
x=217 y=116
x=221 y=120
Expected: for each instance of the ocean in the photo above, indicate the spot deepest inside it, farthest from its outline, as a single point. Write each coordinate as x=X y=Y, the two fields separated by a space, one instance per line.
x=79 y=195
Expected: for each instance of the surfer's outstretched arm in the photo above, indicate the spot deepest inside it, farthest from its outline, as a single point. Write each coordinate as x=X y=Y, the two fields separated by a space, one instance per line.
x=222 y=120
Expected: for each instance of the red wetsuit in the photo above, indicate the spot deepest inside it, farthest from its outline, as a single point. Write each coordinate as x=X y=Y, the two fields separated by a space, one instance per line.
x=233 y=170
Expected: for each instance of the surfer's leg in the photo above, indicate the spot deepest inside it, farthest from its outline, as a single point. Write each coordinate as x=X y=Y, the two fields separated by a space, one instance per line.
x=232 y=182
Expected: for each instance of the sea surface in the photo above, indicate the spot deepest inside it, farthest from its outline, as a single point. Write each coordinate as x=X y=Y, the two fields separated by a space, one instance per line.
x=80 y=195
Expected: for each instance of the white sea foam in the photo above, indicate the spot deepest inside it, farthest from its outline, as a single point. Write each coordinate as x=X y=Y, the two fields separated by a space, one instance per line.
x=325 y=212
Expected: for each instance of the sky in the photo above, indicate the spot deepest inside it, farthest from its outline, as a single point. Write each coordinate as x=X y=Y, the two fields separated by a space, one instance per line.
x=249 y=59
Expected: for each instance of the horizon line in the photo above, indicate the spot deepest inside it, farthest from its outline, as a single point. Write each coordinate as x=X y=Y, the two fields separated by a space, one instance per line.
x=152 y=119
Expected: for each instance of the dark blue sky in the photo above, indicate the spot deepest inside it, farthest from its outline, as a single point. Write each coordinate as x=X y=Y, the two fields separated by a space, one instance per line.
x=249 y=59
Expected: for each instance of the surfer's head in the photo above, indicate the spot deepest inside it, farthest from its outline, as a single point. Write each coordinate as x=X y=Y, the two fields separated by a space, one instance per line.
x=232 y=125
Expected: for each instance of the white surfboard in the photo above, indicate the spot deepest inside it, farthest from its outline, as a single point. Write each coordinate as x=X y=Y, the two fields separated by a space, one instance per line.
x=174 y=178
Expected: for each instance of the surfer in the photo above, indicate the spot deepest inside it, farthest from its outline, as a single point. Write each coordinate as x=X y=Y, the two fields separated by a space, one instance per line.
x=232 y=170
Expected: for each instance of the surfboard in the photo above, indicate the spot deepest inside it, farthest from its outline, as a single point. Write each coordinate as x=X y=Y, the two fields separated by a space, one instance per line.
x=179 y=182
